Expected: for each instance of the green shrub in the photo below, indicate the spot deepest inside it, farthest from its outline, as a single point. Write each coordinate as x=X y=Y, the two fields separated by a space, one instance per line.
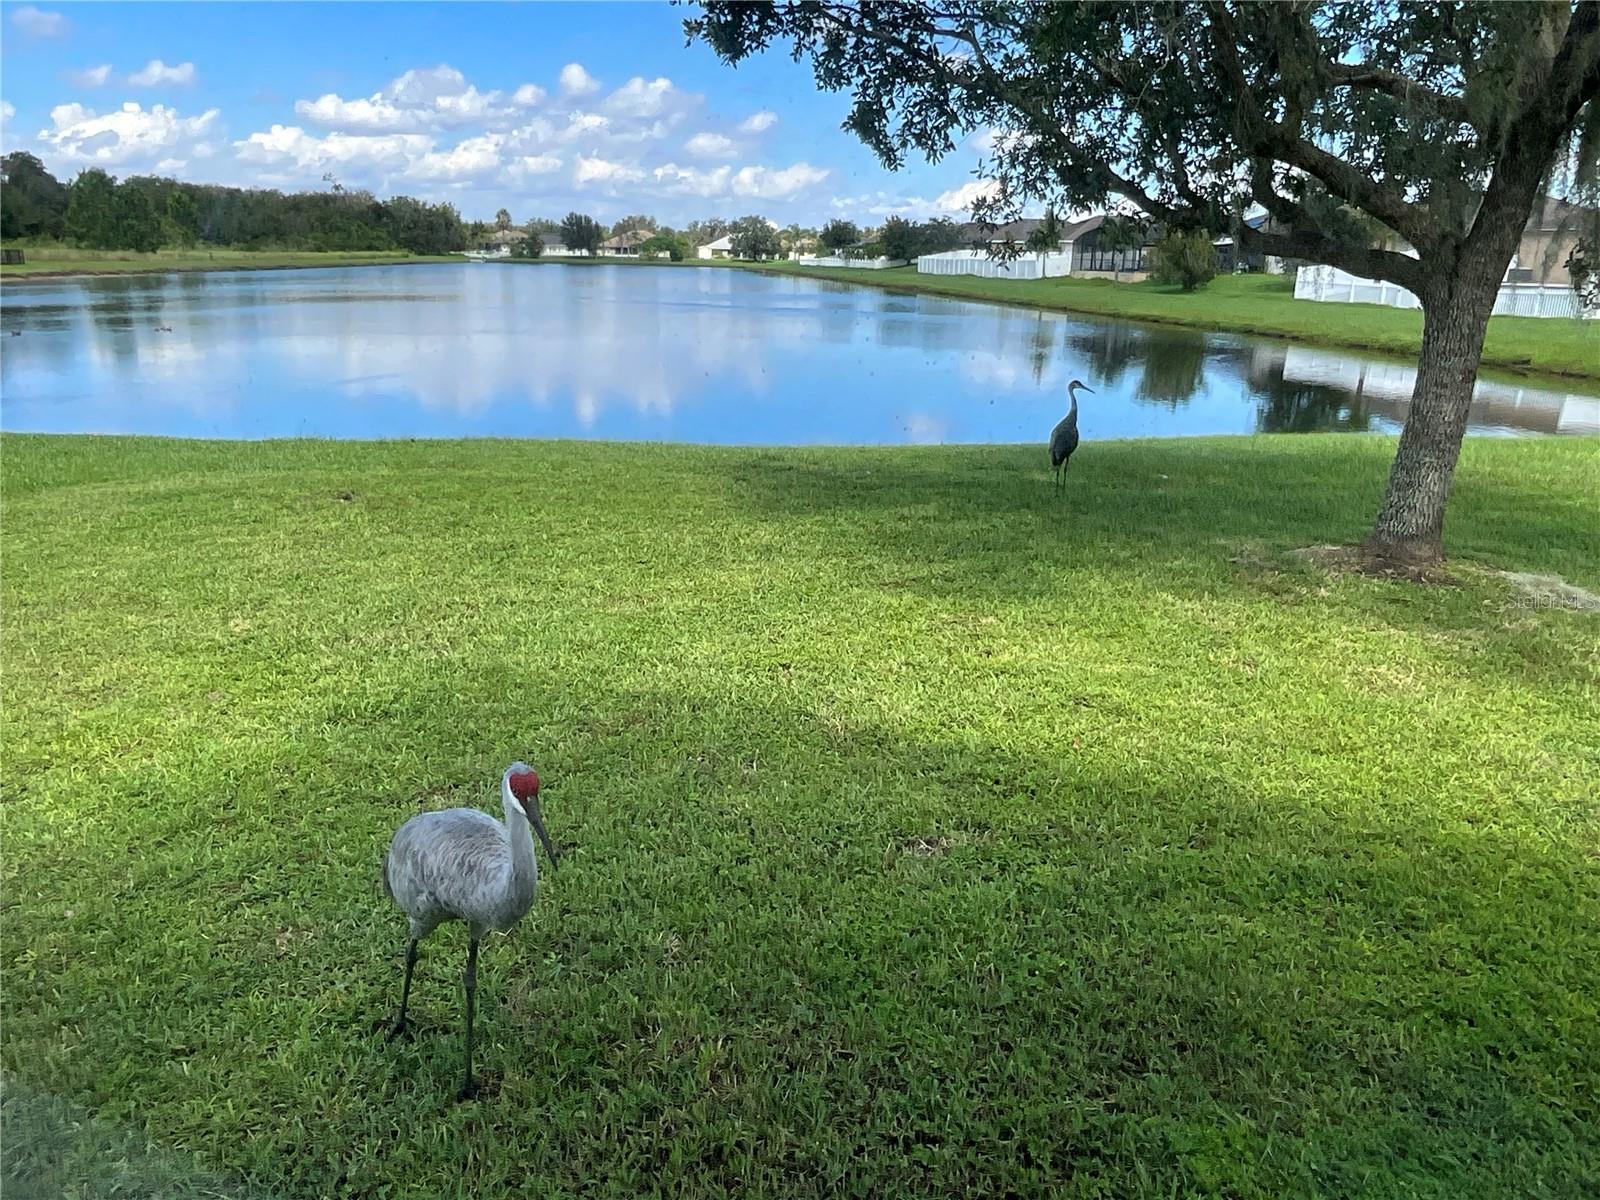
x=1184 y=257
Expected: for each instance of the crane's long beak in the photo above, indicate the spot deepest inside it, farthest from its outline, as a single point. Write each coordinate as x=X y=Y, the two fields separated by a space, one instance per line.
x=538 y=827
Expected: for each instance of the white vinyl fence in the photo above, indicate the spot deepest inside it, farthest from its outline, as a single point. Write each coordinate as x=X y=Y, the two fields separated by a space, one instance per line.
x=1538 y=300
x=1515 y=299
x=978 y=262
x=870 y=264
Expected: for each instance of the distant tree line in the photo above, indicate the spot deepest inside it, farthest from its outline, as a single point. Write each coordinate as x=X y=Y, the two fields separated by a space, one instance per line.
x=146 y=212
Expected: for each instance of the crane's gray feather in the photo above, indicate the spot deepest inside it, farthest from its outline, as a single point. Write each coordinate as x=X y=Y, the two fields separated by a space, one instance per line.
x=457 y=864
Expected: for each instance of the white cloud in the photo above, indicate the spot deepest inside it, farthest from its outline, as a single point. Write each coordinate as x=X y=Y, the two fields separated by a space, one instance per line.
x=129 y=137
x=37 y=23
x=291 y=146
x=990 y=140
x=421 y=99
x=90 y=77
x=693 y=181
x=758 y=122
x=762 y=183
x=475 y=156
x=580 y=123
x=575 y=81
x=603 y=171
x=961 y=199
x=710 y=145
x=156 y=73
x=334 y=111
x=535 y=164
x=767 y=183
x=7 y=111
x=641 y=98
x=884 y=204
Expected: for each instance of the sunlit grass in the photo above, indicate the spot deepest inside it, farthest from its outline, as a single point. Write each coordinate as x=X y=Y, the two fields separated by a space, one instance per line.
x=931 y=835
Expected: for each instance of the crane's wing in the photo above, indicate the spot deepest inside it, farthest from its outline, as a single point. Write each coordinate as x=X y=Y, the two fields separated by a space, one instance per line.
x=450 y=863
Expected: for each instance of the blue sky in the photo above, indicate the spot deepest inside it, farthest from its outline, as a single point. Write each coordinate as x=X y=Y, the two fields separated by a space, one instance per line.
x=540 y=108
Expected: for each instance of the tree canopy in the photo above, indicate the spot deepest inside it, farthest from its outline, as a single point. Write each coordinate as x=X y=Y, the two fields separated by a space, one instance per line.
x=144 y=212
x=754 y=238
x=582 y=232
x=1439 y=123
x=635 y=221
x=33 y=203
x=837 y=234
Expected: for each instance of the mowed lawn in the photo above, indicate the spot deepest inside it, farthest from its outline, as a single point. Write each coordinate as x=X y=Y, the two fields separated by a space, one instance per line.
x=930 y=835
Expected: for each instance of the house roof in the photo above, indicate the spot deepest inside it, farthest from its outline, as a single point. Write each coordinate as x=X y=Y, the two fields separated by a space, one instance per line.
x=552 y=238
x=725 y=242
x=504 y=237
x=1088 y=225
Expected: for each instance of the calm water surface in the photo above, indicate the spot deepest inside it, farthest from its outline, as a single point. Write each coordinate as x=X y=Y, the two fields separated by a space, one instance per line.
x=672 y=355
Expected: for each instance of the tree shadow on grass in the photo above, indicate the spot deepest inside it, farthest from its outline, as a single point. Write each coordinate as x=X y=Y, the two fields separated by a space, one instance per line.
x=755 y=968
x=1166 y=517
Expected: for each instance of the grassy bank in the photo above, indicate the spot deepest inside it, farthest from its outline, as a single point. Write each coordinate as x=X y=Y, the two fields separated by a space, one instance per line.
x=66 y=260
x=1261 y=304
x=931 y=835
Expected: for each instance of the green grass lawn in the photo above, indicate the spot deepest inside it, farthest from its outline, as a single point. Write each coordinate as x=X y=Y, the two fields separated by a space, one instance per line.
x=930 y=835
x=1263 y=304
x=67 y=260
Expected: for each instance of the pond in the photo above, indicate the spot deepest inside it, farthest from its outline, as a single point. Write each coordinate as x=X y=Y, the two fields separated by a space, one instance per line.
x=592 y=351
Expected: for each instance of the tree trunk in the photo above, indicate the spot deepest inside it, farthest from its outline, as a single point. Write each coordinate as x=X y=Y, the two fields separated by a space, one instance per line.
x=1409 y=530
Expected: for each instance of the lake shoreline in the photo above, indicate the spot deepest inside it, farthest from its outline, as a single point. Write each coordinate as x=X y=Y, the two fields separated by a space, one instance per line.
x=1077 y=298
x=110 y=269
x=1080 y=297
x=930 y=286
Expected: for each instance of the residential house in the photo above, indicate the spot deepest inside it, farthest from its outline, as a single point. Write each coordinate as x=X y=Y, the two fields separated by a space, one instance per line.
x=625 y=244
x=981 y=235
x=498 y=244
x=1552 y=232
x=555 y=246
x=721 y=248
x=1231 y=258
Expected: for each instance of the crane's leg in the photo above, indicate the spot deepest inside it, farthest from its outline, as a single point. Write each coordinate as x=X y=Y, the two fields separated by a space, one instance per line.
x=468 y=1088
x=399 y=1025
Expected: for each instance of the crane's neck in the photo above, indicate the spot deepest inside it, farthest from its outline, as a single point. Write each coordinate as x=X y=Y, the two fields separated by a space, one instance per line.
x=1072 y=394
x=519 y=835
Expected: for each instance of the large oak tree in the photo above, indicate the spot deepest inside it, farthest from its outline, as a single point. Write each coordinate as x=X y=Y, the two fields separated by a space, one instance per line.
x=1362 y=128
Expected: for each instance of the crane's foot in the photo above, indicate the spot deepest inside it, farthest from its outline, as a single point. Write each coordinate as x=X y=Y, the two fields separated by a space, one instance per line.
x=400 y=1027
x=468 y=1091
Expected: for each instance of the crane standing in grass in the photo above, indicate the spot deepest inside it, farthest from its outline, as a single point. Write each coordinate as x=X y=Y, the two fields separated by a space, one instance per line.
x=1064 y=437
x=463 y=865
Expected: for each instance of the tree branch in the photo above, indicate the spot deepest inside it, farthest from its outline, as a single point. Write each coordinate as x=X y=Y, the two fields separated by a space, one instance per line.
x=1264 y=137
x=1391 y=83
x=1357 y=260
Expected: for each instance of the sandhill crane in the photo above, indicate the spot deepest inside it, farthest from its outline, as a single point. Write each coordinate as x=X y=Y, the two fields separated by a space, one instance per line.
x=463 y=865
x=1064 y=437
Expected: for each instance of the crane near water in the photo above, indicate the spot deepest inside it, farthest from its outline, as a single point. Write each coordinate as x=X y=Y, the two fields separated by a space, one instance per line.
x=463 y=865
x=1064 y=437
